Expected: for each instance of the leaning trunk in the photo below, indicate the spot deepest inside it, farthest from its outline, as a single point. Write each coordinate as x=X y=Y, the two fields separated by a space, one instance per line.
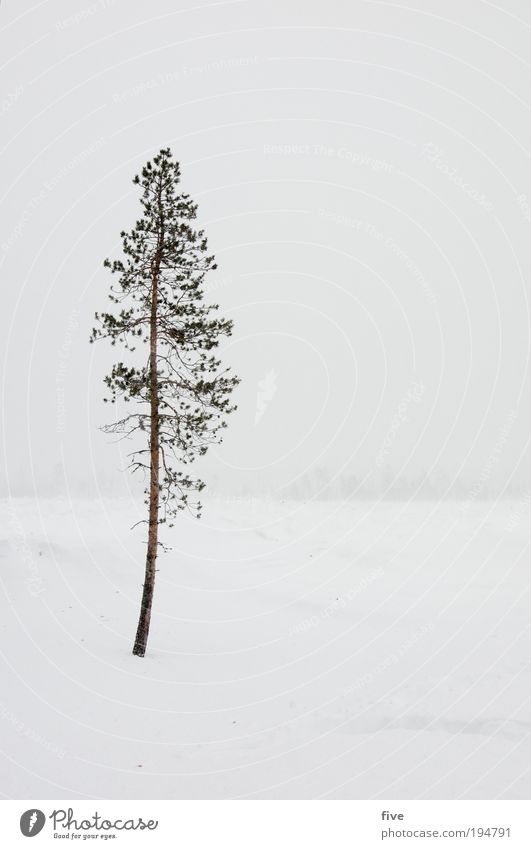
x=144 y=620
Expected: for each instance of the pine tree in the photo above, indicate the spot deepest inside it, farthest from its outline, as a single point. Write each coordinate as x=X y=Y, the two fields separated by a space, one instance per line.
x=177 y=395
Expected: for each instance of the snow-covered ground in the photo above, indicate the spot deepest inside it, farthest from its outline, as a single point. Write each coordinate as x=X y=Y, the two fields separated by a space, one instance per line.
x=298 y=650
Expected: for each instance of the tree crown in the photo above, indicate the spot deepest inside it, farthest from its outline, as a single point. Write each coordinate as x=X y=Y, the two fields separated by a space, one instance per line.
x=159 y=301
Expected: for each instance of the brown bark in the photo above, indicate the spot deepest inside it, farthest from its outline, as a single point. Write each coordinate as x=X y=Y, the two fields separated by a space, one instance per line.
x=144 y=619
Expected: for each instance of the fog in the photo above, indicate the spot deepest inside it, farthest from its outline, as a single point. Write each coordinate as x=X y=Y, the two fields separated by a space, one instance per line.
x=363 y=175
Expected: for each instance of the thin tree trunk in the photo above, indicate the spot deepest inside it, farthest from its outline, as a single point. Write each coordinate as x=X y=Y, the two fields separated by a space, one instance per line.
x=144 y=620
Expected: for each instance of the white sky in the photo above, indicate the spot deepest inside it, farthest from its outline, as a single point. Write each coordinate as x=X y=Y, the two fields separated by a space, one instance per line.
x=363 y=171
